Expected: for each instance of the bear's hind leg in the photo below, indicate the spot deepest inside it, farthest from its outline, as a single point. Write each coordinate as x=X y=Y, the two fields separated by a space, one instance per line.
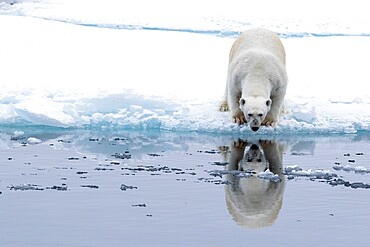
x=224 y=106
x=236 y=114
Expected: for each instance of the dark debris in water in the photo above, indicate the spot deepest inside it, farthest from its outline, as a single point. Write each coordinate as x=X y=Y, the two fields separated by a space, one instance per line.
x=324 y=176
x=214 y=181
x=103 y=169
x=125 y=187
x=118 y=139
x=60 y=188
x=64 y=141
x=354 y=185
x=157 y=170
x=212 y=151
x=122 y=156
x=218 y=163
x=90 y=186
x=73 y=158
x=155 y=155
x=81 y=172
x=17 y=138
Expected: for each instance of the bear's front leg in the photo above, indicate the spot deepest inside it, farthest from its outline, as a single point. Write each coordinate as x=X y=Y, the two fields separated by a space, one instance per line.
x=238 y=116
x=273 y=116
x=270 y=120
x=236 y=154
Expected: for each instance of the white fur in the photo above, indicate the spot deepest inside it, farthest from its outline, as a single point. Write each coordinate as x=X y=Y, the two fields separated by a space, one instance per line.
x=254 y=202
x=256 y=80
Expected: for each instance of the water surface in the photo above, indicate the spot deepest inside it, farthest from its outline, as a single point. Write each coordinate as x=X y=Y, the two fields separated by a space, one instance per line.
x=100 y=188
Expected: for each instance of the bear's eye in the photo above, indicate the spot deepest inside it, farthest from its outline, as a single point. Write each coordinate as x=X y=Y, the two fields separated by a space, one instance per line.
x=260 y=115
x=242 y=101
x=250 y=115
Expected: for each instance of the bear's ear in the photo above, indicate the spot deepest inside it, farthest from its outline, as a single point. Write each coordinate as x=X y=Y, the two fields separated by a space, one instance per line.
x=268 y=102
x=242 y=101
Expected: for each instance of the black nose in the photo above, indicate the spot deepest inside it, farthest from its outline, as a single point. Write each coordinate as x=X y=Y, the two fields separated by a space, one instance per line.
x=254 y=147
x=254 y=128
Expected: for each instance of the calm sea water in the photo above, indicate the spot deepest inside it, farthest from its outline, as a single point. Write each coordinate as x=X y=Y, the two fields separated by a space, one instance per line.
x=87 y=188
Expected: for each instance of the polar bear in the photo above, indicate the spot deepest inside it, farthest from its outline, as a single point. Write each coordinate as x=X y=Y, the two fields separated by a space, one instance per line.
x=256 y=79
x=252 y=201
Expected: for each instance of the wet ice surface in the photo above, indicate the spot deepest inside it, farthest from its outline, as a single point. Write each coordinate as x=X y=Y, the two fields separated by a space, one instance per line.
x=82 y=188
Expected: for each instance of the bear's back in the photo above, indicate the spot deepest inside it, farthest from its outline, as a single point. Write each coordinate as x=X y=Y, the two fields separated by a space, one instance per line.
x=258 y=38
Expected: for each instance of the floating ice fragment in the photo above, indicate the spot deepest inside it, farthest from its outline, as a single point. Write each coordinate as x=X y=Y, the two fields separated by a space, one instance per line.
x=292 y=168
x=348 y=168
x=337 y=167
x=268 y=175
x=361 y=169
x=319 y=173
x=23 y=187
x=33 y=140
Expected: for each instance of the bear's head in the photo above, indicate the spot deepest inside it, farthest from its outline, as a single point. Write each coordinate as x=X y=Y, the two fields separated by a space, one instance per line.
x=255 y=110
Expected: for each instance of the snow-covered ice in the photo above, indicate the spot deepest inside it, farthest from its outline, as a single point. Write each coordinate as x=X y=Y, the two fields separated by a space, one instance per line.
x=86 y=64
x=79 y=77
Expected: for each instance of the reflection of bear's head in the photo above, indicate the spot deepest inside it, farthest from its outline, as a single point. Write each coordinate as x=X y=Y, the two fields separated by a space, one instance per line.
x=253 y=201
x=254 y=160
x=255 y=110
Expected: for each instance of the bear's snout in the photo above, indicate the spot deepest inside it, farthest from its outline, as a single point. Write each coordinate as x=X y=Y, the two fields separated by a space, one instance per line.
x=255 y=128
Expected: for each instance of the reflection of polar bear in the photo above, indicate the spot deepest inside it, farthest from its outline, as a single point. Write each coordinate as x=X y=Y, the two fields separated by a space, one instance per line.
x=254 y=202
x=256 y=80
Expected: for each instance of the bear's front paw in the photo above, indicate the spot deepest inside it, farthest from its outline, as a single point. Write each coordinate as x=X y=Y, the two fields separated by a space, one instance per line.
x=240 y=144
x=223 y=149
x=269 y=122
x=224 y=106
x=238 y=118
